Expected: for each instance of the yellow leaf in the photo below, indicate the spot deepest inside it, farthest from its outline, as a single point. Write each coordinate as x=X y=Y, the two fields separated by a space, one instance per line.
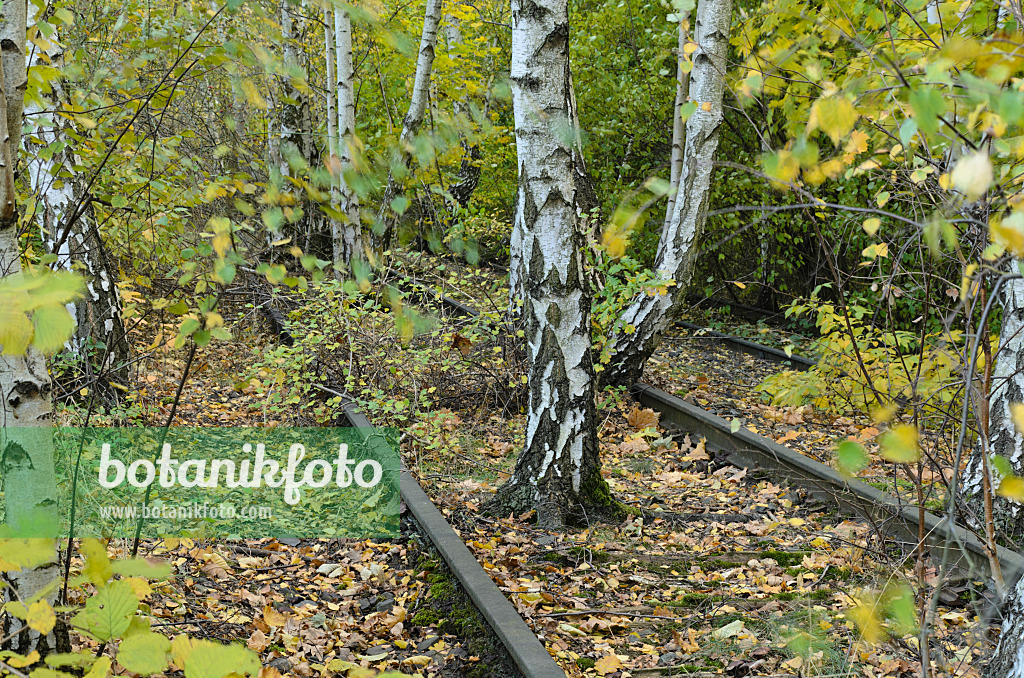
x=834 y=115
x=1012 y=487
x=689 y=48
x=1017 y=415
x=899 y=444
x=221 y=243
x=272 y=617
x=858 y=142
x=609 y=663
x=100 y=669
x=865 y=617
x=1009 y=233
x=41 y=617
x=738 y=284
x=20 y=662
x=871 y=225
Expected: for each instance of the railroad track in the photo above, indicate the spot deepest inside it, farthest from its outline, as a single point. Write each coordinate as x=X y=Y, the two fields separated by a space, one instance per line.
x=523 y=646
x=893 y=519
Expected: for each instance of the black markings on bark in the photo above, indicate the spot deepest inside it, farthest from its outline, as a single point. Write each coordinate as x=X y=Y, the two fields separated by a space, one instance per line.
x=15 y=457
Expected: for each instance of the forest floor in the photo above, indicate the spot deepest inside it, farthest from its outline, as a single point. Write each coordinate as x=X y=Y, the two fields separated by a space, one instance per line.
x=716 y=570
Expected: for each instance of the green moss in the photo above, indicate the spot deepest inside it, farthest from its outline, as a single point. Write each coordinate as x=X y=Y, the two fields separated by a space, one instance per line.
x=585 y=663
x=425 y=618
x=597 y=495
x=442 y=590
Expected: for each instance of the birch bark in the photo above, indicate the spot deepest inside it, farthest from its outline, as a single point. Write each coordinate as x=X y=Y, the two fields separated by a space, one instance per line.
x=677 y=248
x=1008 y=658
x=414 y=116
x=348 y=242
x=67 y=220
x=558 y=471
x=678 y=125
x=30 y=485
x=1003 y=437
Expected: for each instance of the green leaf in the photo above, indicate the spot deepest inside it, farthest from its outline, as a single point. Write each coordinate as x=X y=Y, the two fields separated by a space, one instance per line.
x=903 y=610
x=928 y=104
x=108 y=613
x=734 y=425
x=98 y=569
x=399 y=205
x=145 y=653
x=53 y=326
x=20 y=553
x=138 y=567
x=70 y=659
x=850 y=458
x=209 y=660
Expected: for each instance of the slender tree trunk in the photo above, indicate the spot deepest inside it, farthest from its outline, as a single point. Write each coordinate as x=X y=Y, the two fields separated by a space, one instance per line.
x=348 y=242
x=678 y=124
x=677 y=250
x=100 y=341
x=30 y=486
x=1008 y=659
x=469 y=169
x=294 y=152
x=558 y=472
x=1003 y=437
x=414 y=116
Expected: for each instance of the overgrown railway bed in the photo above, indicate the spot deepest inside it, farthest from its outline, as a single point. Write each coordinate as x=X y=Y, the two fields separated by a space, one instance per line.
x=817 y=491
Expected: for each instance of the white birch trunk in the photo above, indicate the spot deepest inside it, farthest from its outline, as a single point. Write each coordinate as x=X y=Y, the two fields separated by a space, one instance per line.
x=30 y=486
x=586 y=201
x=1008 y=658
x=678 y=124
x=62 y=197
x=677 y=248
x=417 y=106
x=348 y=242
x=558 y=471
x=1003 y=437
x=294 y=150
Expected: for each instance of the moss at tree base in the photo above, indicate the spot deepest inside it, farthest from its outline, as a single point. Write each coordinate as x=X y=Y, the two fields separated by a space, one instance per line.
x=593 y=503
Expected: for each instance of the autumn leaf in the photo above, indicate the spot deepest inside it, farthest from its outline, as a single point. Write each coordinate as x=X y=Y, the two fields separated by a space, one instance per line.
x=642 y=419
x=833 y=115
x=1012 y=487
x=41 y=617
x=899 y=444
x=609 y=663
x=273 y=617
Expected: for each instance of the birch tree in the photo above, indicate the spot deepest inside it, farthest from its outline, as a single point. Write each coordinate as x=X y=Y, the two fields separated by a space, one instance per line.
x=291 y=145
x=1008 y=658
x=678 y=124
x=347 y=235
x=639 y=332
x=414 y=116
x=67 y=220
x=981 y=479
x=30 y=486
x=558 y=471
